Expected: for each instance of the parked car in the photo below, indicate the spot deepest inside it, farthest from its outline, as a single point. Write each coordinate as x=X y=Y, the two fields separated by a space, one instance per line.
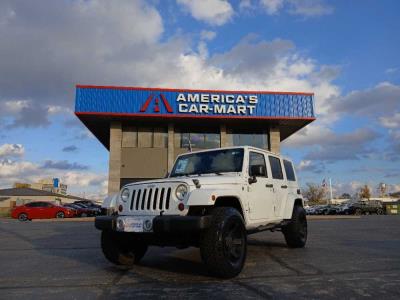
x=320 y=210
x=93 y=208
x=331 y=210
x=344 y=209
x=80 y=210
x=41 y=210
x=367 y=207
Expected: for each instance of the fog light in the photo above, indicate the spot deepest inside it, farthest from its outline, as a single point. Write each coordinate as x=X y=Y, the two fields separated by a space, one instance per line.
x=120 y=225
x=181 y=206
x=213 y=197
x=120 y=208
x=147 y=225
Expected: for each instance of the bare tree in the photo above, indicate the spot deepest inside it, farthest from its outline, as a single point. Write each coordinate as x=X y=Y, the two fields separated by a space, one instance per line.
x=345 y=196
x=314 y=193
x=365 y=192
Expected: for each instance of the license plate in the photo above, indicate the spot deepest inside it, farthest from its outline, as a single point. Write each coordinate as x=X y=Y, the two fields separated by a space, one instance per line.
x=134 y=225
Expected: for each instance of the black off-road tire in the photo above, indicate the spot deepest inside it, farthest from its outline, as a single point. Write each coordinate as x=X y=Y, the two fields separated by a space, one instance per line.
x=119 y=249
x=379 y=211
x=223 y=246
x=296 y=231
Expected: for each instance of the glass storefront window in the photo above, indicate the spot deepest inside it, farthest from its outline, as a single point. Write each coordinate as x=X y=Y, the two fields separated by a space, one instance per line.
x=259 y=139
x=200 y=140
x=144 y=137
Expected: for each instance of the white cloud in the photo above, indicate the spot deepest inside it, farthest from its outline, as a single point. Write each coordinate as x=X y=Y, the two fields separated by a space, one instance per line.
x=208 y=35
x=57 y=109
x=80 y=41
x=352 y=187
x=91 y=42
x=309 y=8
x=245 y=4
x=374 y=102
x=11 y=150
x=391 y=70
x=272 y=6
x=392 y=121
x=214 y=12
x=15 y=106
x=310 y=166
x=304 y=8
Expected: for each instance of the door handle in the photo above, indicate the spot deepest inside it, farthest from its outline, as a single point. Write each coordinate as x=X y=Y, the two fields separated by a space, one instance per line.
x=269 y=185
x=284 y=186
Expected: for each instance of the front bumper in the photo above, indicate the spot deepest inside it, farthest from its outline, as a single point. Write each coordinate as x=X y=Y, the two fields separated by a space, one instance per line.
x=161 y=224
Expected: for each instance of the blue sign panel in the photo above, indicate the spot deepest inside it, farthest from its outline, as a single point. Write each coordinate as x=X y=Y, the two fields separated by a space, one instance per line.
x=55 y=182
x=192 y=103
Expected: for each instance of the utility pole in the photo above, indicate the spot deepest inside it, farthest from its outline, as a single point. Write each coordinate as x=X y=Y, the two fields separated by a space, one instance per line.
x=330 y=187
x=190 y=145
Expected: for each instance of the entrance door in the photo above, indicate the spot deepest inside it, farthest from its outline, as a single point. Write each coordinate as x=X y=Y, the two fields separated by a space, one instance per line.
x=260 y=193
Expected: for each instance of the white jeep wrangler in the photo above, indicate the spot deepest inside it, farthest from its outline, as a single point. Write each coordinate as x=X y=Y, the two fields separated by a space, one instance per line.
x=212 y=199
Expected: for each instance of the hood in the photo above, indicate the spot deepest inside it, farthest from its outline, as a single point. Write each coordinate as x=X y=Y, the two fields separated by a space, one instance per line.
x=205 y=180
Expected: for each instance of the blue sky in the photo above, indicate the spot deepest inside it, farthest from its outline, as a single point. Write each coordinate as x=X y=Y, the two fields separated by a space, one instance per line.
x=346 y=52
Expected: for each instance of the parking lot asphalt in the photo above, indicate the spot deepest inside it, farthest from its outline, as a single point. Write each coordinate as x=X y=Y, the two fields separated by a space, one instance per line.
x=347 y=258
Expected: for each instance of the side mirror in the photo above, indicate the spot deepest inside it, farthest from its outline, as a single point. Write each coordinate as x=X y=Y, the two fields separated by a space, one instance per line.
x=256 y=170
x=166 y=175
x=252 y=179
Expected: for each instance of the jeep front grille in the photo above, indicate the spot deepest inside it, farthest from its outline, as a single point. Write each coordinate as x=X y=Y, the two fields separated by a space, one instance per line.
x=154 y=199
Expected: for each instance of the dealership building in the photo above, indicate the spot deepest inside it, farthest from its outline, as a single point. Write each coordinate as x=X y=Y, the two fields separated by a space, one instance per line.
x=144 y=129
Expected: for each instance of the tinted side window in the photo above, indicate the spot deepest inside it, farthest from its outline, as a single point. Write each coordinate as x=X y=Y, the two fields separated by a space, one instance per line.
x=31 y=204
x=257 y=159
x=41 y=204
x=276 y=167
x=289 y=170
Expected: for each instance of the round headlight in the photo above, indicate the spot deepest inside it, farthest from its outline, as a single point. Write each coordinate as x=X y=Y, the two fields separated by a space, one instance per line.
x=125 y=194
x=181 y=191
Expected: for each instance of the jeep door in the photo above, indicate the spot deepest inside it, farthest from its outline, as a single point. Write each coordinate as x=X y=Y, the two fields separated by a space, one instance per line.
x=260 y=193
x=280 y=185
x=293 y=187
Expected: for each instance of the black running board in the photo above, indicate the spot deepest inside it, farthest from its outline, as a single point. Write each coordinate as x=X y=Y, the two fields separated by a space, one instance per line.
x=271 y=227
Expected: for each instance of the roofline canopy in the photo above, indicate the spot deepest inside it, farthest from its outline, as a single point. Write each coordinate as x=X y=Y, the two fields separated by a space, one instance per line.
x=97 y=106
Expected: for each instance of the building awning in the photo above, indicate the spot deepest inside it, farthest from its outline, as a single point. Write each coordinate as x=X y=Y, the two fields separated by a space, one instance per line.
x=97 y=106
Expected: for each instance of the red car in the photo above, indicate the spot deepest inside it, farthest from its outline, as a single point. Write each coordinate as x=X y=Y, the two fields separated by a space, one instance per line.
x=41 y=210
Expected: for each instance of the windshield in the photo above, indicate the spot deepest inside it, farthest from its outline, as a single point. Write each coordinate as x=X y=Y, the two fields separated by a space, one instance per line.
x=218 y=161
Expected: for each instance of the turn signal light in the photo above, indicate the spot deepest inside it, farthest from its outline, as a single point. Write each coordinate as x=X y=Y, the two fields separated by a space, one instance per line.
x=181 y=206
x=120 y=208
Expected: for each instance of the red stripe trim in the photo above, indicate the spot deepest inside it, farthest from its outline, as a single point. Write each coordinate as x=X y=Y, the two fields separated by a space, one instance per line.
x=190 y=116
x=186 y=90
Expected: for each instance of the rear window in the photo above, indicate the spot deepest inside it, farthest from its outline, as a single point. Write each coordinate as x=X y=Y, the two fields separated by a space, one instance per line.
x=276 y=167
x=289 y=170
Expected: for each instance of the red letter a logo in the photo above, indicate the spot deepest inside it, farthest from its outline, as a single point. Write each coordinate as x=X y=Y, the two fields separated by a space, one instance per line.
x=156 y=104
